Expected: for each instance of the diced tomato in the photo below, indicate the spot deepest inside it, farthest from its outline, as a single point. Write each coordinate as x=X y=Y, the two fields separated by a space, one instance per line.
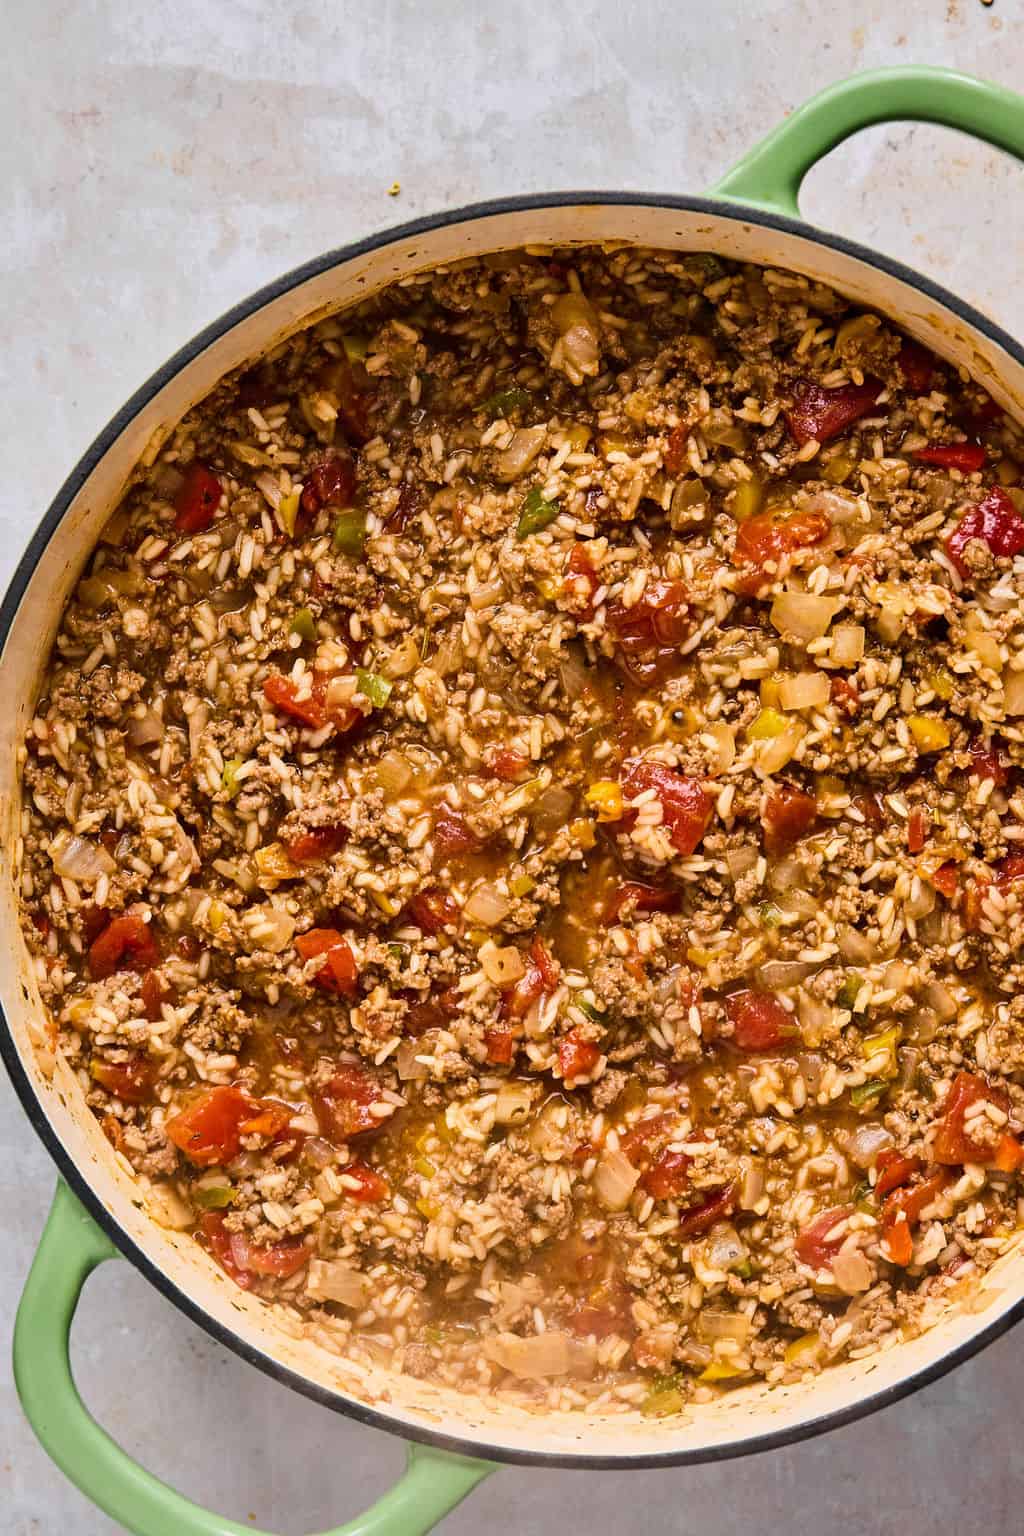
x=902 y=1211
x=126 y=944
x=581 y=581
x=506 y=764
x=667 y=1177
x=112 y=1129
x=871 y=809
x=640 y=1142
x=648 y=634
x=312 y=708
x=342 y=1106
x=821 y=415
x=540 y=978
x=154 y=994
x=94 y=920
x=452 y=833
x=641 y=898
x=217 y=1239
x=918 y=827
x=946 y=879
x=953 y=1144
x=372 y=1188
x=788 y=815
x=317 y=843
x=974 y=901
x=675 y=457
x=917 y=365
x=499 y=1044
x=410 y=504
x=339 y=973
x=1009 y=1154
x=1009 y=871
x=131 y=1080
x=210 y=1131
x=685 y=804
x=995 y=521
x=278 y=1260
x=350 y=384
x=983 y=415
x=576 y=1057
x=844 y=695
x=425 y=1014
x=331 y=482
x=760 y=1022
x=433 y=910
x=893 y=1169
x=605 y=1309
x=989 y=763
x=967 y=457
x=770 y=535
x=197 y=500
x=701 y=1218
x=817 y=1245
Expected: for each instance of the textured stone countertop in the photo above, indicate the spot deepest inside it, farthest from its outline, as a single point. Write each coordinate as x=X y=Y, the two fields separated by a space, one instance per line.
x=160 y=161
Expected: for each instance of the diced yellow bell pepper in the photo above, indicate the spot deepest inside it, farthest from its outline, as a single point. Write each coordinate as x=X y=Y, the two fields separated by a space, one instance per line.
x=605 y=798
x=287 y=513
x=579 y=436
x=217 y=915
x=747 y=499
x=838 y=468
x=887 y=1041
x=428 y=1208
x=930 y=734
x=274 y=863
x=941 y=683
x=769 y=691
x=385 y=904
x=662 y=1403
x=424 y=1166
x=769 y=723
x=582 y=832
x=521 y=885
x=719 y=1370
x=804 y=1350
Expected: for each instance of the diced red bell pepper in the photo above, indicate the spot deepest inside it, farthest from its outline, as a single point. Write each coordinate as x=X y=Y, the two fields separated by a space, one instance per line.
x=989 y=763
x=788 y=815
x=372 y=1188
x=995 y=521
x=132 y=1080
x=701 y=1218
x=197 y=499
x=499 y=1044
x=946 y=879
x=452 y=833
x=685 y=804
x=902 y=1211
x=316 y=844
x=342 y=1105
x=918 y=827
x=209 y=1131
x=539 y=980
x=667 y=1176
x=126 y=944
x=770 y=535
x=917 y=365
x=338 y=973
x=433 y=910
x=641 y=898
x=819 y=1242
x=967 y=457
x=576 y=1057
x=312 y=708
x=759 y=1021
x=675 y=457
x=821 y=415
x=952 y=1143
x=506 y=764
x=893 y=1169
x=330 y=482
x=581 y=581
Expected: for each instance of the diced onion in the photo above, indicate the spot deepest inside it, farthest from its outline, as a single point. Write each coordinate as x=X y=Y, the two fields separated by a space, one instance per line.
x=804 y=690
x=394 y=773
x=776 y=974
x=552 y=809
x=751 y=1186
x=615 y=1178
x=144 y=730
x=269 y=927
x=712 y=1325
x=405 y=658
x=513 y=1104
x=864 y=1144
x=1013 y=693
x=804 y=615
x=487 y=905
x=852 y=1272
x=574 y=674
x=853 y=945
x=787 y=875
x=526 y=444
x=502 y=967
x=409 y=1069
x=724 y=1246
x=579 y=351
x=984 y=644
x=725 y=742
x=776 y=751
x=941 y=1000
x=847 y=644
x=76 y=858
x=168 y=1209
x=545 y=1354
x=334 y=1281
x=739 y=860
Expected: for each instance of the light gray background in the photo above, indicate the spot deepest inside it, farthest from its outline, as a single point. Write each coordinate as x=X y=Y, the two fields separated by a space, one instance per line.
x=159 y=161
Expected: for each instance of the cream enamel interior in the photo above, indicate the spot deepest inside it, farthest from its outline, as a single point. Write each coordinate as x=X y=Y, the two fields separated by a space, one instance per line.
x=740 y=1416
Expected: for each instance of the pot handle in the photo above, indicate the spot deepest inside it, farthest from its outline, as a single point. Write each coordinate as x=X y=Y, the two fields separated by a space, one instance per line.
x=770 y=175
x=72 y=1246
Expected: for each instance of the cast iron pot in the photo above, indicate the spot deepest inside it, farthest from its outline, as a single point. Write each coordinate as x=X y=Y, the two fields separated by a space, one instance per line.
x=751 y=215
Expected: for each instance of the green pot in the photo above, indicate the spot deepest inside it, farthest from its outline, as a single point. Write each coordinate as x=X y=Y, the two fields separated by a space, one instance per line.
x=752 y=215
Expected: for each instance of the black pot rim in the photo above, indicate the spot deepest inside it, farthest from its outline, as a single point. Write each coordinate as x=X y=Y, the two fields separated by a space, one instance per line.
x=351 y=1407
